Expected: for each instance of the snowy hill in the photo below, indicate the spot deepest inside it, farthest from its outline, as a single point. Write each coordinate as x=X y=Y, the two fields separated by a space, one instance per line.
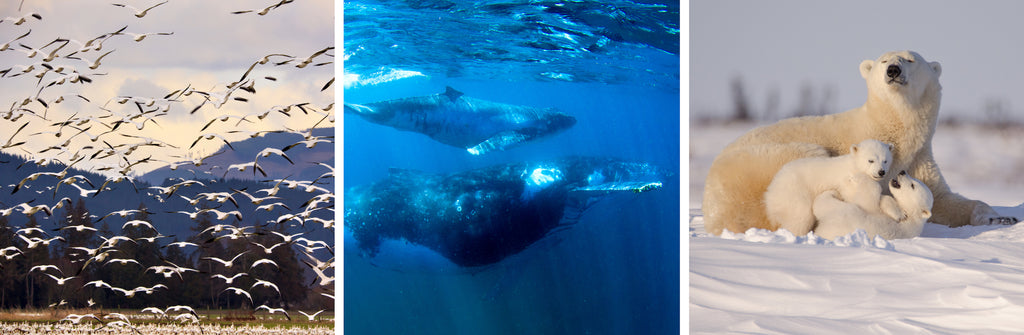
x=246 y=150
x=125 y=195
x=948 y=281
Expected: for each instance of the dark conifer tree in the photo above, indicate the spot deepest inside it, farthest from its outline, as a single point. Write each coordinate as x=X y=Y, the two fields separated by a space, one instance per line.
x=38 y=290
x=9 y=271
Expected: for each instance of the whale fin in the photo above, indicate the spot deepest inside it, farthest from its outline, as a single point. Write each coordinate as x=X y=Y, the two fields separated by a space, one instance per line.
x=581 y=199
x=498 y=142
x=630 y=186
x=452 y=93
x=358 y=109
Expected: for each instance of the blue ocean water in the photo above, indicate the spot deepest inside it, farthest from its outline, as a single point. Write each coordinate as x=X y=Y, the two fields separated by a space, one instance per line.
x=611 y=65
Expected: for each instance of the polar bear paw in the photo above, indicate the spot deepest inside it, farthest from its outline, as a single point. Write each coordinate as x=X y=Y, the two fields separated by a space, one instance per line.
x=985 y=215
x=1003 y=220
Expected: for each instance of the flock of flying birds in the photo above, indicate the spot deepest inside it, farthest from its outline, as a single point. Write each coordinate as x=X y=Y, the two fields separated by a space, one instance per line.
x=109 y=141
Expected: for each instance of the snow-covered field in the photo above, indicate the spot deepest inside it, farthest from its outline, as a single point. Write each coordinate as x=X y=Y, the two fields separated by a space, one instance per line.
x=966 y=280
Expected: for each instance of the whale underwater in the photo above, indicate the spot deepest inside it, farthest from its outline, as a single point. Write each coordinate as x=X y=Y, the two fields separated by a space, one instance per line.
x=479 y=217
x=479 y=126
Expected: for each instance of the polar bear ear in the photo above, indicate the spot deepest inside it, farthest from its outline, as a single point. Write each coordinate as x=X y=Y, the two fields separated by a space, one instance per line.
x=891 y=147
x=935 y=67
x=865 y=68
x=926 y=213
x=853 y=149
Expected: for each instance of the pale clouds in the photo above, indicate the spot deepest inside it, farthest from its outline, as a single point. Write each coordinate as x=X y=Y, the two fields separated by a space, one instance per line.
x=209 y=49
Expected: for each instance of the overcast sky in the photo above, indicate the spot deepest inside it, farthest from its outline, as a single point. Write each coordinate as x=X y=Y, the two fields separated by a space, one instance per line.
x=782 y=45
x=209 y=48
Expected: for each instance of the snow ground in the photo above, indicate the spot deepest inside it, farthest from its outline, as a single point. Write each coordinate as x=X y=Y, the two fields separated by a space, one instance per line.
x=949 y=281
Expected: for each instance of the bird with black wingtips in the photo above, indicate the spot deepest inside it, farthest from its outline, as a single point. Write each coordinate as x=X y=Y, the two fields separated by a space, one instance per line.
x=18 y=20
x=309 y=59
x=325 y=280
x=93 y=64
x=7 y=46
x=139 y=13
x=265 y=10
x=210 y=136
x=10 y=141
x=138 y=37
x=266 y=152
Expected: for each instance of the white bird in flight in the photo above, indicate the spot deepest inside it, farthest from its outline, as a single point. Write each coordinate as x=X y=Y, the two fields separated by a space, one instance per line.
x=139 y=13
x=61 y=281
x=266 y=249
x=268 y=151
x=239 y=291
x=22 y=19
x=137 y=223
x=264 y=283
x=10 y=252
x=311 y=317
x=263 y=261
x=7 y=45
x=229 y=280
x=227 y=264
x=93 y=64
x=140 y=37
x=275 y=310
x=45 y=267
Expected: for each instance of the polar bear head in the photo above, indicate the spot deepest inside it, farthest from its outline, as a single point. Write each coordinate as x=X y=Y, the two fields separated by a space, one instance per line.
x=872 y=157
x=913 y=197
x=902 y=76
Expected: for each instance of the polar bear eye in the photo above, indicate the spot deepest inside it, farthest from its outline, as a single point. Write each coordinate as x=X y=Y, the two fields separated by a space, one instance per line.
x=872 y=161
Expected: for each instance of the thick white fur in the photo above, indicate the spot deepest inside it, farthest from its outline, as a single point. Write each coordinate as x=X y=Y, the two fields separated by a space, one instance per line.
x=902 y=112
x=854 y=176
x=837 y=217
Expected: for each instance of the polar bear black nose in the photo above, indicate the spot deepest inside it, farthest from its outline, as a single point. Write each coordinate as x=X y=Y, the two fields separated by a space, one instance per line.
x=881 y=173
x=903 y=173
x=893 y=71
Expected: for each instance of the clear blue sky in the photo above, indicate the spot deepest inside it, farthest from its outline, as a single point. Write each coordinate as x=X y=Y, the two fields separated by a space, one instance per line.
x=783 y=45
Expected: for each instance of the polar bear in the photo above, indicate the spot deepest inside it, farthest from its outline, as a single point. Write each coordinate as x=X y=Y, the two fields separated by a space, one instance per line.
x=902 y=108
x=854 y=176
x=837 y=218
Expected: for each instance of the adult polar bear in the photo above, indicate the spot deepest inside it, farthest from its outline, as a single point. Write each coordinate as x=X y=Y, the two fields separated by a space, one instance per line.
x=902 y=108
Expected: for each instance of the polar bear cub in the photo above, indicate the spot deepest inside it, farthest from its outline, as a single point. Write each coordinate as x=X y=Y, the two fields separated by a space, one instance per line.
x=838 y=218
x=854 y=176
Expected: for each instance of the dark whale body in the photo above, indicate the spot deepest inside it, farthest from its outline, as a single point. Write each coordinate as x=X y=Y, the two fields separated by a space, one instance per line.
x=481 y=216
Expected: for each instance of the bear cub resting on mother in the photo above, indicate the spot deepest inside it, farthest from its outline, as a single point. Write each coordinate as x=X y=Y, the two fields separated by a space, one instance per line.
x=913 y=199
x=854 y=177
